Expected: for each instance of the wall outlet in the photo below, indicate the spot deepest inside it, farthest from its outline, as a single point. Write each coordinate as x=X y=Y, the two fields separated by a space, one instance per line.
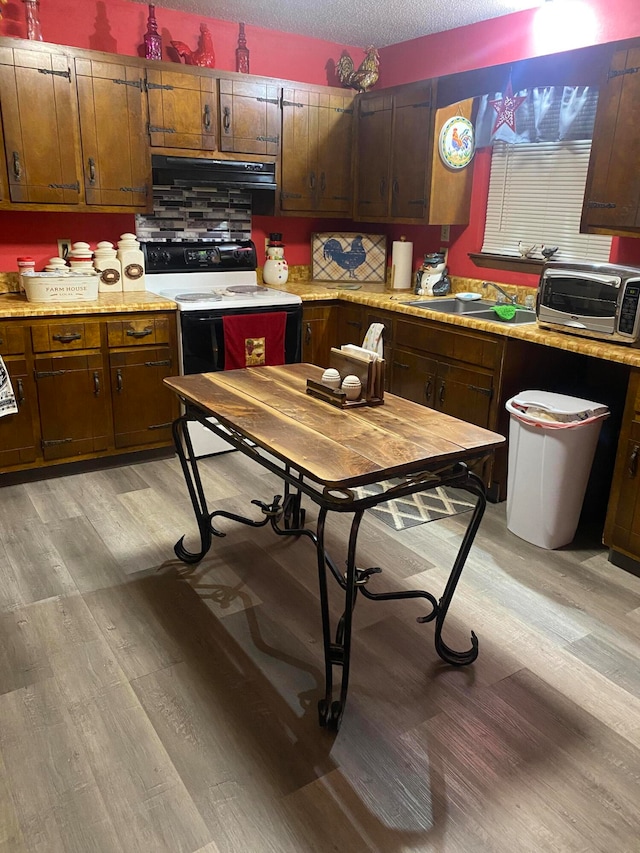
x=64 y=247
x=445 y=231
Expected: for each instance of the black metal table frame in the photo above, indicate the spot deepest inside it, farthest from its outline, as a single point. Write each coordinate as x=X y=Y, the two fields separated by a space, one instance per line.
x=286 y=516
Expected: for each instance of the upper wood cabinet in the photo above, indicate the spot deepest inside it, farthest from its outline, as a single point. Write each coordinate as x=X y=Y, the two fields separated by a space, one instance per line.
x=183 y=109
x=249 y=116
x=113 y=129
x=37 y=93
x=612 y=194
x=317 y=151
x=398 y=174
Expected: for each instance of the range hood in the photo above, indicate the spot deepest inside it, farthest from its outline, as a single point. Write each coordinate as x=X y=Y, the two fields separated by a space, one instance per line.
x=196 y=172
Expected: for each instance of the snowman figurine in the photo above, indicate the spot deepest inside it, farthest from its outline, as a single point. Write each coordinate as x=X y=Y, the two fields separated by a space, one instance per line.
x=275 y=269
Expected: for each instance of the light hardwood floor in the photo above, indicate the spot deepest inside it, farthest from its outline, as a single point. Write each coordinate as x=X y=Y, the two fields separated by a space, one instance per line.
x=148 y=706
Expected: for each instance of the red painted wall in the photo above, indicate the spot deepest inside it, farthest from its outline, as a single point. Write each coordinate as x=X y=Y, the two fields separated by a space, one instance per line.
x=118 y=27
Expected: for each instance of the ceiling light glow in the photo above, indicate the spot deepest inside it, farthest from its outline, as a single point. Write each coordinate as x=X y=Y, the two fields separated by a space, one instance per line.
x=564 y=25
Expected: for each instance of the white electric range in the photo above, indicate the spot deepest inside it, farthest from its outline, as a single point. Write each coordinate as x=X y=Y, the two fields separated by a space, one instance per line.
x=208 y=281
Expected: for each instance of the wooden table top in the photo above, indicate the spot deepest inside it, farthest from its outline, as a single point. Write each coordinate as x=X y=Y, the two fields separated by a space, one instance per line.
x=339 y=448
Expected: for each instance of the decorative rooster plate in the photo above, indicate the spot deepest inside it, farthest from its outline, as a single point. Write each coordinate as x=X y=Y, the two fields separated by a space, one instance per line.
x=457 y=142
x=351 y=257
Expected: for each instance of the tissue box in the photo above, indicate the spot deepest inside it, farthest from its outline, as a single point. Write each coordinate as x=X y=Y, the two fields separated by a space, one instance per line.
x=53 y=287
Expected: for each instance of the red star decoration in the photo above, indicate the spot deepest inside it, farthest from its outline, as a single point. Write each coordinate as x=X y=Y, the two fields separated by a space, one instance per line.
x=506 y=107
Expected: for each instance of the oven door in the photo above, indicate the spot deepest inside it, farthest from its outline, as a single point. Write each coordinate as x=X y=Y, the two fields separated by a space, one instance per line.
x=201 y=337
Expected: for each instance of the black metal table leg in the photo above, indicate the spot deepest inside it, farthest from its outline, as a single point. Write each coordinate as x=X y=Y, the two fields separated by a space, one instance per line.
x=184 y=449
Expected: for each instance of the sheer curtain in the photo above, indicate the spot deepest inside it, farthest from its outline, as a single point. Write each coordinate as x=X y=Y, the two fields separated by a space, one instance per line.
x=548 y=114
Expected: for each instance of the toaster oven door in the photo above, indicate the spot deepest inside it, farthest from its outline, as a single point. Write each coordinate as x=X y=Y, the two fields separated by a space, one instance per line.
x=580 y=302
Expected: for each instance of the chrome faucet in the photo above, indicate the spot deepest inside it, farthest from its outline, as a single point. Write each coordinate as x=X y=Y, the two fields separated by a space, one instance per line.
x=510 y=297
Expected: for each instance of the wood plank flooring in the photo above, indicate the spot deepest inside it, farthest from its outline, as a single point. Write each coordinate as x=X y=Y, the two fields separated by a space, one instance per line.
x=154 y=707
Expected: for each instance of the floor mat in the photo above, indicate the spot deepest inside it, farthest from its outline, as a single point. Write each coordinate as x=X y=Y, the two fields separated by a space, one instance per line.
x=417 y=509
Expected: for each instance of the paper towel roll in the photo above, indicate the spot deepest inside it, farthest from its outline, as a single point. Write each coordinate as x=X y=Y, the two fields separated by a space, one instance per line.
x=401 y=265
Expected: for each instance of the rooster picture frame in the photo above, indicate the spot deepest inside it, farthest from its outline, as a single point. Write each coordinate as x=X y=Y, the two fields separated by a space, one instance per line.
x=351 y=257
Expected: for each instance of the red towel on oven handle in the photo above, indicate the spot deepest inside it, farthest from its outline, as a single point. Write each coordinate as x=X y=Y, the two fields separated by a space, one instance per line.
x=252 y=340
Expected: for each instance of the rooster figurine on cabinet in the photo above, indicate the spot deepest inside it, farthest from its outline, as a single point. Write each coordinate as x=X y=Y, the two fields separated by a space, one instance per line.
x=364 y=77
x=204 y=56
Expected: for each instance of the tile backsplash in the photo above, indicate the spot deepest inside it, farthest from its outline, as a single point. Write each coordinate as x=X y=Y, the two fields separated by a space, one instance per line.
x=198 y=213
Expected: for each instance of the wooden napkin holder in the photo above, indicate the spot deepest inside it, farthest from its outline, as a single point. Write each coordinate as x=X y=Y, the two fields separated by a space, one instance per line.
x=370 y=374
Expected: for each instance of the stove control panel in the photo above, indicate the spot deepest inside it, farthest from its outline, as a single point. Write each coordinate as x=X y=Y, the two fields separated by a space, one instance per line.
x=198 y=256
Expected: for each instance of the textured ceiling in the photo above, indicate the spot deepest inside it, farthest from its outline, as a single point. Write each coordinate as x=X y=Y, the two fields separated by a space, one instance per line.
x=353 y=22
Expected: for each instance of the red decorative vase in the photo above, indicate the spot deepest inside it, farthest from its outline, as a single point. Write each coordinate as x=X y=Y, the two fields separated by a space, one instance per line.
x=242 y=52
x=152 y=39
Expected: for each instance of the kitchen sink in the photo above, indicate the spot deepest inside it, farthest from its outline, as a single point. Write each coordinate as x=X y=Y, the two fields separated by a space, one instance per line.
x=522 y=315
x=452 y=306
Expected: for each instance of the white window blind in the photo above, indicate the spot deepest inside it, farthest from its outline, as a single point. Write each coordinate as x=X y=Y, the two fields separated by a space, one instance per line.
x=535 y=196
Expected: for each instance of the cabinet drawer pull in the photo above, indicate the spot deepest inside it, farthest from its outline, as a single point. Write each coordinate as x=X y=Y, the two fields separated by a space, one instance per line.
x=633 y=461
x=226 y=119
x=75 y=186
x=1 y=341
x=118 y=380
x=20 y=395
x=139 y=333
x=96 y=382
x=66 y=339
x=400 y=365
x=155 y=129
x=442 y=393
x=43 y=374
x=92 y=170
x=307 y=333
x=166 y=362
x=207 y=117
x=355 y=323
x=486 y=391
x=55 y=442
x=160 y=426
x=141 y=189
x=17 y=166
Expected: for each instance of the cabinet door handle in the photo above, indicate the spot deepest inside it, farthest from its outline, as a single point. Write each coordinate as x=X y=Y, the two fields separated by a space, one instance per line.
x=20 y=395
x=383 y=186
x=139 y=333
x=1 y=341
x=17 y=166
x=400 y=365
x=66 y=339
x=226 y=119
x=323 y=181
x=312 y=180
x=427 y=389
x=307 y=333
x=395 y=187
x=96 y=382
x=207 y=117
x=442 y=394
x=92 y=170
x=633 y=461
x=118 y=380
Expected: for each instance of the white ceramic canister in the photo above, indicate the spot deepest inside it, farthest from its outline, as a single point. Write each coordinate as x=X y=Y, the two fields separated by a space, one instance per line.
x=107 y=264
x=57 y=265
x=81 y=257
x=132 y=262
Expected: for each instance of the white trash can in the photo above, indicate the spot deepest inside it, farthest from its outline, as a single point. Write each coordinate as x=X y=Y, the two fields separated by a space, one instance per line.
x=552 y=442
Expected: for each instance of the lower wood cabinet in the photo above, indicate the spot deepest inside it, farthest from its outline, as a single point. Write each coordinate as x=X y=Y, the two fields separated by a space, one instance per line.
x=87 y=387
x=622 y=526
x=318 y=333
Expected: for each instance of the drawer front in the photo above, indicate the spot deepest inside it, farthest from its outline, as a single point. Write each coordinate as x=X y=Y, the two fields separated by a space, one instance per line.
x=449 y=343
x=11 y=339
x=56 y=337
x=136 y=331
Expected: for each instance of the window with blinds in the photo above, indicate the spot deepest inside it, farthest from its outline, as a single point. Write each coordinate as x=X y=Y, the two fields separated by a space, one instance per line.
x=535 y=197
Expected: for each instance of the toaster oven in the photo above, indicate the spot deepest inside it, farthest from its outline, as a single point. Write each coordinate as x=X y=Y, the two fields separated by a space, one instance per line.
x=595 y=300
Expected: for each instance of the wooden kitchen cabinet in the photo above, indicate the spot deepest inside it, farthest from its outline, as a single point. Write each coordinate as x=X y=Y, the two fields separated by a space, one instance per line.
x=39 y=118
x=622 y=525
x=87 y=387
x=394 y=147
x=18 y=432
x=183 y=109
x=317 y=151
x=612 y=194
x=350 y=326
x=318 y=333
x=143 y=408
x=113 y=128
x=249 y=116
